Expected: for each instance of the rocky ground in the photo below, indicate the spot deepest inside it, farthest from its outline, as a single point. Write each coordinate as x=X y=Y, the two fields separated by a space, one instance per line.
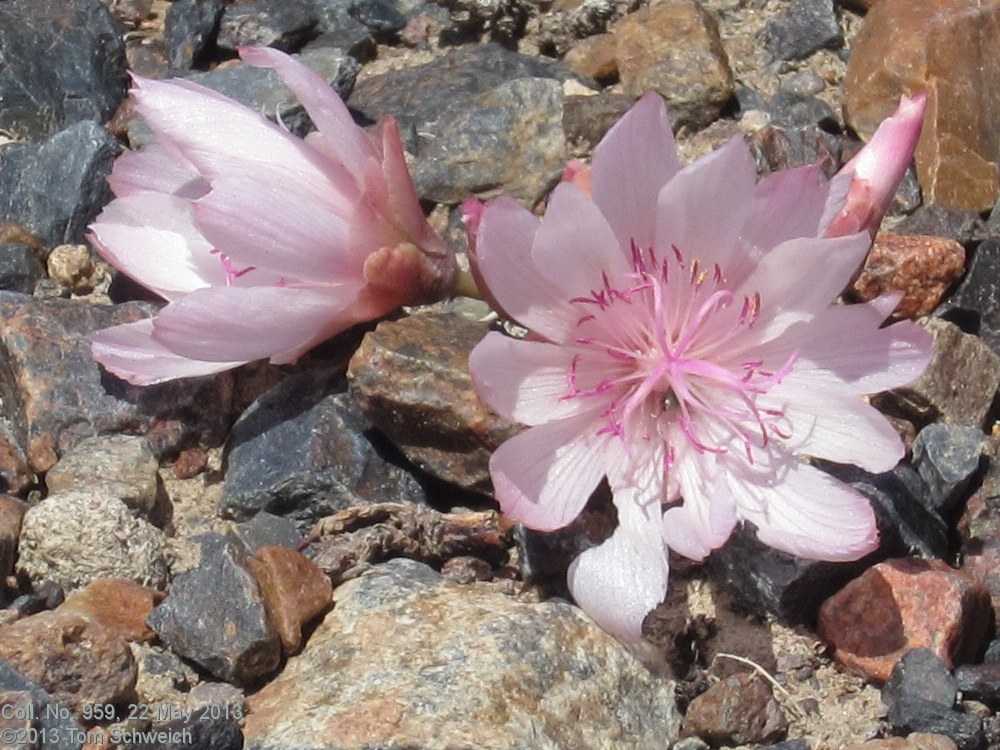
x=155 y=572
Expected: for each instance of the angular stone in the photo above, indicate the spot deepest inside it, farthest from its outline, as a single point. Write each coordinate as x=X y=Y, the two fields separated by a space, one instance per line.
x=958 y=385
x=908 y=47
x=738 y=710
x=54 y=393
x=63 y=62
x=411 y=379
x=406 y=659
x=55 y=188
x=61 y=730
x=120 y=605
x=285 y=24
x=79 y=536
x=266 y=529
x=380 y=16
x=241 y=646
x=189 y=29
x=79 y=662
x=12 y=512
x=922 y=268
x=916 y=741
x=777 y=148
x=302 y=451
x=123 y=464
x=507 y=141
x=947 y=457
x=593 y=57
x=20 y=268
x=900 y=605
x=790 y=110
x=295 y=592
x=975 y=304
x=956 y=224
x=586 y=119
x=807 y=26
x=919 y=676
x=979 y=530
x=674 y=48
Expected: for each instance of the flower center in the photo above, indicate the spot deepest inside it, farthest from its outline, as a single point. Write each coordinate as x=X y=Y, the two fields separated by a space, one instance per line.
x=665 y=348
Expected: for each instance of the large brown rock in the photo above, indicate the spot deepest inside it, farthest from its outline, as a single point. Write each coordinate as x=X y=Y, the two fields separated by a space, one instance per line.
x=948 y=49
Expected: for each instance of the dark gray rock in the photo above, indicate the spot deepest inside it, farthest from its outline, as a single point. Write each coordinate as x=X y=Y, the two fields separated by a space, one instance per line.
x=806 y=27
x=285 y=24
x=947 y=458
x=261 y=90
x=338 y=28
x=975 y=304
x=302 y=450
x=380 y=16
x=959 y=224
x=794 y=110
x=777 y=147
x=55 y=725
x=190 y=29
x=980 y=681
x=54 y=189
x=241 y=646
x=266 y=529
x=200 y=732
x=20 y=268
x=992 y=652
x=47 y=595
x=61 y=61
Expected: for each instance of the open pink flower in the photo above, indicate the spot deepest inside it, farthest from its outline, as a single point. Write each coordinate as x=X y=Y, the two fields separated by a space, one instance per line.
x=263 y=244
x=683 y=343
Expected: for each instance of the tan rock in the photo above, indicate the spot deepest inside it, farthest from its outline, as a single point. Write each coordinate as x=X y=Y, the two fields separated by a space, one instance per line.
x=905 y=47
x=593 y=57
x=11 y=512
x=916 y=741
x=923 y=268
x=674 y=48
x=120 y=605
x=295 y=591
x=900 y=605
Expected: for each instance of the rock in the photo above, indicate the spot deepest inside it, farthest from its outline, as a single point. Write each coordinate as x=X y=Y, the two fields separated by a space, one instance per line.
x=900 y=605
x=302 y=451
x=975 y=304
x=285 y=24
x=163 y=676
x=791 y=110
x=12 y=512
x=807 y=26
x=593 y=57
x=261 y=90
x=979 y=531
x=586 y=119
x=20 y=267
x=920 y=676
x=916 y=741
x=674 y=48
x=957 y=224
x=266 y=529
x=190 y=29
x=776 y=148
x=55 y=394
x=339 y=29
x=980 y=682
x=411 y=379
x=508 y=141
x=737 y=710
x=407 y=659
x=77 y=661
x=60 y=729
x=947 y=457
x=121 y=606
x=78 y=536
x=804 y=84
x=295 y=592
x=123 y=465
x=958 y=385
x=241 y=646
x=902 y=47
x=380 y=16
x=56 y=188
x=64 y=62
x=46 y=595
x=923 y=268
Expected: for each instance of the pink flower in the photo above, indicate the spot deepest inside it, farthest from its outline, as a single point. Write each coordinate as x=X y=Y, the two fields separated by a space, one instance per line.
x=684 y=344
x=263 y=244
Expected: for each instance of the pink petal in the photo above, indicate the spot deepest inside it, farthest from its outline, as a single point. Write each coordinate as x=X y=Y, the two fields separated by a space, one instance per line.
x=633 y=161
x=804 y=511
x=702 y=209
x=544 y=476
x=618 y=582
x=574 y=244
x=707 y=516
x=326 y=109
x=248 y=323
x=155 y=168
x=503 y=258
x=130 y=352
x=151 y=237
x=260 y=224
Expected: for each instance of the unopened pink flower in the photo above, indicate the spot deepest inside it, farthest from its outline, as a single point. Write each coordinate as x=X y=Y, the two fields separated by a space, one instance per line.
x=263 y=244
x=684 y=344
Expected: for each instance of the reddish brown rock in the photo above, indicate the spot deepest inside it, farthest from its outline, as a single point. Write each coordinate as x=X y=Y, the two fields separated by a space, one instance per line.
x=946 y=48
x=915 y=741
x=979 y=530
x=76 y=660
x=593 y=57
x=294 y=589
x=674 y=48
x=190 y=463
x=923 y=268
x=11 y=512
x=119 y=605
x=738 y=710
x=900 y=605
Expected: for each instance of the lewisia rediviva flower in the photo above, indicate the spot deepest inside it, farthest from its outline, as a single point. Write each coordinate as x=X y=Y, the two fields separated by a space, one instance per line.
x=262 y=243
x=684 y=344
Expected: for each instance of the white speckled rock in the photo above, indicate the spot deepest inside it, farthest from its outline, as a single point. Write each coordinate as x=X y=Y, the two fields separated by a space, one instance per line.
x=406 y=659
